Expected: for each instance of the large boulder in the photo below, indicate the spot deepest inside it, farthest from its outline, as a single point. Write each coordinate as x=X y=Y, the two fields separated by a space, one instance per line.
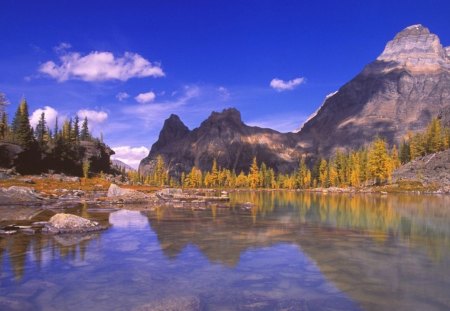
x=68 y=223
x=19 y=195
x=120 y=195
x=9 y=154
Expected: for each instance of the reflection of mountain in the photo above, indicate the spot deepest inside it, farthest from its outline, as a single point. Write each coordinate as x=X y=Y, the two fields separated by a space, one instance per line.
x=370 y=246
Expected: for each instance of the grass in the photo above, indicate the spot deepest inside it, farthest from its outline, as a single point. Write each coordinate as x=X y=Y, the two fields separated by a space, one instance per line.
x=49 y=185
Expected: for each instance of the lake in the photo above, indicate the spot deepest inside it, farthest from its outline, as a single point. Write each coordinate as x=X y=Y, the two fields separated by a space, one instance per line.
x=291 y=251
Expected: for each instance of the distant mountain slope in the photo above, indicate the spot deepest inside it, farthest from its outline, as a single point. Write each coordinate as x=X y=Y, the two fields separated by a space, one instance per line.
x=407 y=85
x=121 y=165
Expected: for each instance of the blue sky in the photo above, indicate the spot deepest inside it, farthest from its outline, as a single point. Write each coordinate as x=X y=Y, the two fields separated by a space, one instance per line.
x=129 y=65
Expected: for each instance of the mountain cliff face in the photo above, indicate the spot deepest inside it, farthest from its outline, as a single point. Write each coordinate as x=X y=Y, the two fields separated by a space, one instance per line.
x=407 y=85
x=224 y=137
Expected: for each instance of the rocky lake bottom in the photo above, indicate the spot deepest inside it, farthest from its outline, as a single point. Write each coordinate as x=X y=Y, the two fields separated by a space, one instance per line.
x=290 y=251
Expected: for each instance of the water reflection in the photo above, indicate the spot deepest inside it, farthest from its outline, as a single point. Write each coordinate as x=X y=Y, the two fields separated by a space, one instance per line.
x=291 y=251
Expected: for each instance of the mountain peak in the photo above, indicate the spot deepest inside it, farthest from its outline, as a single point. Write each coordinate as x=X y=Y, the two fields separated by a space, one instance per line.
x=173 y=129
x=229 y=114
x=413 y=30
x=414 y=48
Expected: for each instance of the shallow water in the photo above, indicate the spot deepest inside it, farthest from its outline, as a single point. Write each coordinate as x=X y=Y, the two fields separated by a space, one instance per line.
x=292 y=251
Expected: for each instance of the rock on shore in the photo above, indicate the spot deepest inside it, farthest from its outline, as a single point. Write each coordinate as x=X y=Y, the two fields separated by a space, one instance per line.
x=19 y=195
x=68 y=223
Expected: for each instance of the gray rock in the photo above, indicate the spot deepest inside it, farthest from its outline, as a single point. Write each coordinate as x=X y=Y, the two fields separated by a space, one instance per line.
x=116 y=191
x=431 y=169
x=19 y=195
x=68 y=223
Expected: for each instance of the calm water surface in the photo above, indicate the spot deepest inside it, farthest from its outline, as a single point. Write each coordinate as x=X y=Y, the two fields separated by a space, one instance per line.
x=293 y=251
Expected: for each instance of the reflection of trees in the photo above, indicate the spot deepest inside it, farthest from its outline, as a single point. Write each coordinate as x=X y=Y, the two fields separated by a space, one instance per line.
x=16 y=248
x=387 y=261
x=406 y=216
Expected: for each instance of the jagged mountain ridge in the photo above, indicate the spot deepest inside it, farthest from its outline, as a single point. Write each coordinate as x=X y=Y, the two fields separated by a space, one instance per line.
x=224 y=137
x=407 y=85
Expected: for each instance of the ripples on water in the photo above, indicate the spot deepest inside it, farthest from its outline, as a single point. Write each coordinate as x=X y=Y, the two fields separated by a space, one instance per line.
x=292 y=251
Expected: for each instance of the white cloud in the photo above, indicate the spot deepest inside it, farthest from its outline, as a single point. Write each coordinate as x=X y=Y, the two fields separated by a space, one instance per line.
x=281 y=85
x=145 y=97
x=92 y=115
x=130 y=155
x=100 y=66
x=122 y=95
x=50 y=116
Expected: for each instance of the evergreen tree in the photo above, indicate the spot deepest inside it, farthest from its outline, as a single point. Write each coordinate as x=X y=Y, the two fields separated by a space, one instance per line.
x=3 y=125
x=405 y=153
x=41 y=130
x=56 y=130
x=3 y=103
x=85 y=130
x=76 y=130
x=21 y=128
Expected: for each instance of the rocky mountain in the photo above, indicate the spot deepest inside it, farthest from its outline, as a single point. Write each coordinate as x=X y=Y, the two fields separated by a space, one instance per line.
x=407 y=85
x=224 y=137
x=121 y=165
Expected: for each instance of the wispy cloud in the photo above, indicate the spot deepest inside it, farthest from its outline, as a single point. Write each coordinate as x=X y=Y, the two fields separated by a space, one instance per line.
x=281 y=85
x=144 y=98
x=99 y=66
x=122 y=96
x=130 y=155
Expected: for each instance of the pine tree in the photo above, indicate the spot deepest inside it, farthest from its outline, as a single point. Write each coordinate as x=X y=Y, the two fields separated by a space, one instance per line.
x=76 y=130
x=41 y=130
x=56 y=130
x=3 y=125
x=379 y=162
x=160 y=173
x=323 y=173
x=21 y=128
x=85 y=130
x=3 y=103
x=395 y=158
x=214 y=175
x=405 y=153
x=253 y=175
